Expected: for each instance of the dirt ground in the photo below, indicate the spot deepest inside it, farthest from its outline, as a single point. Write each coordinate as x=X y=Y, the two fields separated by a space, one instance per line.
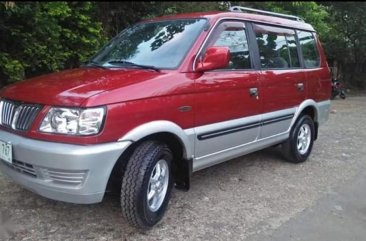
x=237 y=200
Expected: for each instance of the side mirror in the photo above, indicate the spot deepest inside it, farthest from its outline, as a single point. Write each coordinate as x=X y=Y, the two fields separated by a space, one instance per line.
x=214 y=58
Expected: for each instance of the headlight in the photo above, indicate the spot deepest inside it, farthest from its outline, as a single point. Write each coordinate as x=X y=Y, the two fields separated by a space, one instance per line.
x=73 y=121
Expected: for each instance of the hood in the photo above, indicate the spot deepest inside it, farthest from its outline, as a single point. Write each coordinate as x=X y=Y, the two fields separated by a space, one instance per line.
x=74 y=87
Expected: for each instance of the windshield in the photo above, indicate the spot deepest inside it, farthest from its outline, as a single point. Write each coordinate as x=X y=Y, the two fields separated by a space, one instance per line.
x=160 y=44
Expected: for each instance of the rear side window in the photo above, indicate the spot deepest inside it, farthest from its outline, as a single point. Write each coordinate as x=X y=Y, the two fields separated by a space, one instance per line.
x=277 y=47
x=309 y=49
x=233 y=36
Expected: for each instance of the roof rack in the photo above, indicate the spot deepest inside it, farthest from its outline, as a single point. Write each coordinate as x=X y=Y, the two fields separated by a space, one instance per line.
x=245 y=9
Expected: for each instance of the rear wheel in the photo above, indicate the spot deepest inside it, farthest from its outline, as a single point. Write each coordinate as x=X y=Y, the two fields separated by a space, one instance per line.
x=147 y=184
x=343 y=95
x=298 y=146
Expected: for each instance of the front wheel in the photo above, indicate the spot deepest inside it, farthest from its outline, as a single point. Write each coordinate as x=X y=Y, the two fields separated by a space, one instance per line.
x=147 y=184
x=298 y=146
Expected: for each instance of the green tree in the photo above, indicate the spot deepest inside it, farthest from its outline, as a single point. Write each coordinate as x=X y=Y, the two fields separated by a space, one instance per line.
x=116 y=17
x=40 y=37
x=347 y=40
x=310 y=12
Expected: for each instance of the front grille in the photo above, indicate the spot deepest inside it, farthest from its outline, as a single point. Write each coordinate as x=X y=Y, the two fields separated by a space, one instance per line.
x=22 y=167
x=17 y=116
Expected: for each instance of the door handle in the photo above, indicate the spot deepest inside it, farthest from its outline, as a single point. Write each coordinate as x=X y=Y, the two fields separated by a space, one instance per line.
x=300 y=86
x=253 y=91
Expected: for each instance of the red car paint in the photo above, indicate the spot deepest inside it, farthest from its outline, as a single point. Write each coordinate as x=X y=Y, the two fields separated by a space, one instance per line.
x=137 y=96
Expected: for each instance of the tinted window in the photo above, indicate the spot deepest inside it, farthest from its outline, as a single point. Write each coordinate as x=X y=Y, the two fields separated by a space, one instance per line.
x=309 y=49
x=277 y=47
x=294 y=57
x=161 y=44
x=233 y=36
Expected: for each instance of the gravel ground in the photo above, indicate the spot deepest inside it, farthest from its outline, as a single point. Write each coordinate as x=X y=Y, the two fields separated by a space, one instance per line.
x=237 y=200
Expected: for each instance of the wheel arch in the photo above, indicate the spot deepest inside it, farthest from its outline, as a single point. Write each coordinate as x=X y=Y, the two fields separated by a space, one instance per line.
x=164 y=131
x=159 y=127
x=308 y=107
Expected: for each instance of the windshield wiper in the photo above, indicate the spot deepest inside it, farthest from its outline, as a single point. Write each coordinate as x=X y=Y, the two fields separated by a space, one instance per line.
x=93 y=63
x=133 y=64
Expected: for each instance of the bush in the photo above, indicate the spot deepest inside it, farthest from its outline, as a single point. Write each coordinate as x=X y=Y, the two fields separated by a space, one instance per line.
x=41 y=37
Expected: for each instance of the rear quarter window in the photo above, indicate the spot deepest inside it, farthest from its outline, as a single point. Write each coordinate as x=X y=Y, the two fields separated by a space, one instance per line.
x=309 y=49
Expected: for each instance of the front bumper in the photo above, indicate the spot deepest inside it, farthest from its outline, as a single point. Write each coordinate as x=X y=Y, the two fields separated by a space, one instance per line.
x=64 y=172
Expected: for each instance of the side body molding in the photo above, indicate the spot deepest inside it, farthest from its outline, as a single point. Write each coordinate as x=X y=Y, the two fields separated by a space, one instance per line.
x=161 y=126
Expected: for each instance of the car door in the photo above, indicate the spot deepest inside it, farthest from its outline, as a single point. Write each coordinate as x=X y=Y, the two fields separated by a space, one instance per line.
x=227 y=108
x=283 y=81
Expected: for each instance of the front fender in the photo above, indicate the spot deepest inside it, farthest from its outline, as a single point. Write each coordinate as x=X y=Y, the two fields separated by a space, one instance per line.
x=154 y=127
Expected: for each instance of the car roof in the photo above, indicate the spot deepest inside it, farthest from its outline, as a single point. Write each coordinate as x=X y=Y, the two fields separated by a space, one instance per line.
x=259 y=18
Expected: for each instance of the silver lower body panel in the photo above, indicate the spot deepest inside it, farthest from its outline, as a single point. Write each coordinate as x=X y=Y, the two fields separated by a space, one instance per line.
x=64 y=172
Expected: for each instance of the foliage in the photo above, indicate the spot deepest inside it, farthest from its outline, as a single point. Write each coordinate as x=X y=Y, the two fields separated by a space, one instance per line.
x=310 y=12
x=40 y=37
x=115 y=16
x=347 y=45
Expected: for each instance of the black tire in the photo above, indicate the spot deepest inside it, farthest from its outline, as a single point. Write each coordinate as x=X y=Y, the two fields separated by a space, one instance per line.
x=135 y=184
x=290 y=148
x=343 y=95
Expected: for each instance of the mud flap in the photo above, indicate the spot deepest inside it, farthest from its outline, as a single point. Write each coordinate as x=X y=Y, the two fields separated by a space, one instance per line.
x=183 y=175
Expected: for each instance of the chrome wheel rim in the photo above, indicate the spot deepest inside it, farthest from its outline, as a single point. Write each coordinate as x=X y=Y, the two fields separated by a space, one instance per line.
x=304 y=139
x=158 y=185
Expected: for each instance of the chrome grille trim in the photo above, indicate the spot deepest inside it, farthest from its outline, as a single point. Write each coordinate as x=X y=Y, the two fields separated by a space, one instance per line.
x=16 y=115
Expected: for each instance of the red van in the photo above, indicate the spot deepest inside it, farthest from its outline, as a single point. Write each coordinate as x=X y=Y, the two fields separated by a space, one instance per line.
x=165 y=98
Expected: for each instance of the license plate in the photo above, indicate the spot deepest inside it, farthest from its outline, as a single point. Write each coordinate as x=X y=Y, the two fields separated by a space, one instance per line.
x=6 y=152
